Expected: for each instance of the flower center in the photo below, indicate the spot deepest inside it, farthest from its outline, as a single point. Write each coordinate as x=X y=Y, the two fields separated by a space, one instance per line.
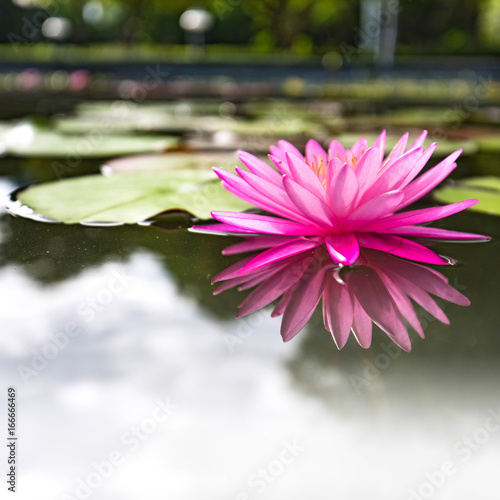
x=319 y=167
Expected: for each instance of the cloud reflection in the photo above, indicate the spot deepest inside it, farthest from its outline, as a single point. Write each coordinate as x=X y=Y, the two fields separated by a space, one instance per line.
x=379 y=288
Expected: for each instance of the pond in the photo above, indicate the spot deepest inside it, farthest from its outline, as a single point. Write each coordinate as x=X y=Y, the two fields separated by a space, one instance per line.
x=135 y=381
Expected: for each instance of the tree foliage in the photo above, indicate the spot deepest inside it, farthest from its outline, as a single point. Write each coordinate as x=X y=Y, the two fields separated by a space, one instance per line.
x=425 y=26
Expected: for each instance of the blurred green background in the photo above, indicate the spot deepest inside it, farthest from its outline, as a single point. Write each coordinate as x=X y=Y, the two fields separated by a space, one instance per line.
x=306 y=27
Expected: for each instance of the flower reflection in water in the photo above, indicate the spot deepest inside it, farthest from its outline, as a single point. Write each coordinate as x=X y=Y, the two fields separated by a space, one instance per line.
x=378 y=289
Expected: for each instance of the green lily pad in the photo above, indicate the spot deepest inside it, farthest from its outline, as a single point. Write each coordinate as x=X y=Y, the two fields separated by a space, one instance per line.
x=170 y=161
x=127 y=117
x=154 y=122
x=489 y=144
x=104 y=109
x=150 y=120
x=122 y=116
x=484 y=189
x=29 y=139
x=270 y=127
x=129 y=198
x=406 y=118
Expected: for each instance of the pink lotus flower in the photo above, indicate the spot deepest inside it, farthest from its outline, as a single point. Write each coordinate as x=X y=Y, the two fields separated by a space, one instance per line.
x=376 y=290
x=344 y=199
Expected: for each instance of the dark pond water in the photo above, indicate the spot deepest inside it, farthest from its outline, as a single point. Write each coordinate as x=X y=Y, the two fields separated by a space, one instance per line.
x=134 y=381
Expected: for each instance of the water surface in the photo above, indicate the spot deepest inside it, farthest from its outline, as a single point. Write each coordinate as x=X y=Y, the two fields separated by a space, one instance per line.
x=153 y=372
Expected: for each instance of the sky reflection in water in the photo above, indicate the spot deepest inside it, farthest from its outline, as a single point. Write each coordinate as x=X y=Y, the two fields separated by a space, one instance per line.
x=349 y=414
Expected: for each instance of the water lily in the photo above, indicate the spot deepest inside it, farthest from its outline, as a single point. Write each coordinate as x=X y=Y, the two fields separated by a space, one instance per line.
x=376 y=290
x=346 y=199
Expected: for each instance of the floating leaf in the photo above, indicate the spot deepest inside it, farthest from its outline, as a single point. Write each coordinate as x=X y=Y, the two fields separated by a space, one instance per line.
x=271 y=127
x=129 y=198
x=153 y=122
x=119 y=108
x=484 y=189
x=170 y=161
x=149 y=119
x=30 y=139
x=124 y=116
x=489 y=144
